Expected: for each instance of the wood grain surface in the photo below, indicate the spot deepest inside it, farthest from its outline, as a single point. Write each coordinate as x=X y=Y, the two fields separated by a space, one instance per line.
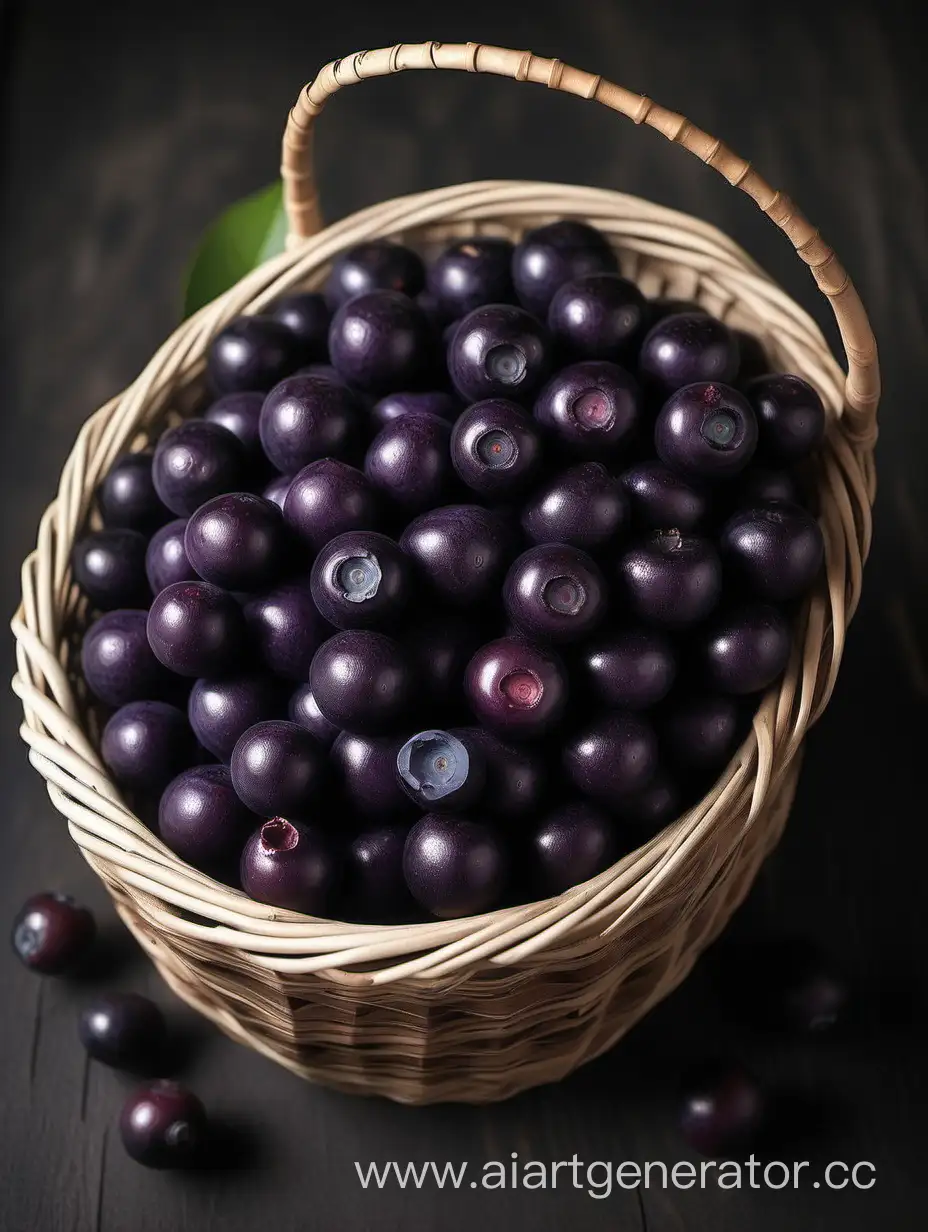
x=125 y=129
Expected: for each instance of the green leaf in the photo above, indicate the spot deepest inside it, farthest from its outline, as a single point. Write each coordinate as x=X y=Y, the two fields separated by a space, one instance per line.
x=247 y=233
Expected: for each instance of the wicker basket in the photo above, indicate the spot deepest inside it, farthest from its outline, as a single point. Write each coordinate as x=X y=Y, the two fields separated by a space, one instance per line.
x=474 y=1009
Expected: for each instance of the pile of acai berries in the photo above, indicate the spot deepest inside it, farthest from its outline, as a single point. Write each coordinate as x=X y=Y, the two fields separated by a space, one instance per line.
x=466 y=583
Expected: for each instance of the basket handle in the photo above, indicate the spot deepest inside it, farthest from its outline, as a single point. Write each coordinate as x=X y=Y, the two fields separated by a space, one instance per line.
x=862 y=387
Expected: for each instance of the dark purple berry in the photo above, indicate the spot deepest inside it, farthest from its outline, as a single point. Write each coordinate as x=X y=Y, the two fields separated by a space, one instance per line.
x=516 y=688
x=118 y=663
x=409 y=462
x=555 y=593
x=590 y=408
x=196 y=629
x=306 y=315
x=146 y=744
x=441 y=648
x=559 y=252
x=599 y=316
x=777 y=550
x=127 y=495
x=652 y=808
x=365 y=766
x=327 y=498
x=291 y=865
x=240 y=414
x=569 y=846
x=442 y=771
x=278 y=769
x=381 y=342
x=251 y=353
x=612 y=758
x=377 y=265
x=395 y=406
x=236 y=541
x=454 y=867
x=499 y=351
x=166 y=559
x=790 y=417
x=276 y=491
x=583 y=506
x=361 y=580
x=462 y=550
x=286 y=630
x=52 y=933
x=306 y=418
x=628 y=669
x=793 y=986
x=194 y=462
x=517 y=781
x=303 y=710
x=686 y=348
x=202 y=819
x=754 y=361
x=472 y=272
x=746 y=650
x=376 y=889
x=109 y=567
x=221 y=710
x=758 y=486
x=706 y=431
x=362 y=681
x=124 y=1030
x=700 y=731
x=662 y=500
x=163 y=1126
x=723 y=1109
x=671 y=580
x=496 y=448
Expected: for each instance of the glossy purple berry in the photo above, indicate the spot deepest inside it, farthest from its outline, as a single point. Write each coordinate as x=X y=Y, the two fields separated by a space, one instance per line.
x=590 y=408
x=409 y=462
x=240 y=414
x=670 y=580
x=569 y=846
x=365 y=767
x=361 y=580
x=759 y=486
x=194 y=462
x=146 y=744
x=700 y=731
x=628 y=669
x=442 y=771
x=689 y=347
x=706 y=432
x=127 y=495
x=362 y=681
x=303 y=710
x=376 y=889
x=196 y=629
x=163 y=1125
x=202 y=819
x=516 y=688
x=649 y=810
x=278 y=769
x=118 y=663
x=276 y=491
x=517 y=780
x=376 y=265
x=285 y=629
x=790 y=417
x=52 y=934
x=599 y=316
x=381 y=342
x=434 y=402
x=612 y=758
x=306 y=315
x=660 y=499
x=499 y=351
x=776 y=550
x=166 y=560
x=327 y=498
x=470 y=273
x=722 y=1111
x=454 y=867
x=559 y=252
x=555 y=593
x=745 y=650
x=221 y=710
x=236 y=541
x=306 y=418
x=291 y=865
x=124 y=1030
x=496 y=448
x=251 y=353
x=109 y=567
x=583 y=507
x=462 y=550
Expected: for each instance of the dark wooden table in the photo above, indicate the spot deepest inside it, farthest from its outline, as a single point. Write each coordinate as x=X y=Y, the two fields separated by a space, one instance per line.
x=126 y=128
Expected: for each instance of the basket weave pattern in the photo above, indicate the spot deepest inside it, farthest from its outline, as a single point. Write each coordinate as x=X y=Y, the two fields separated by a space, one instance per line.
x=474 y=1009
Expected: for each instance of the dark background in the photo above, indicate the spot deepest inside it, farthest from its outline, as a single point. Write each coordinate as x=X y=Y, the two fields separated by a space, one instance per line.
x=126 y=128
